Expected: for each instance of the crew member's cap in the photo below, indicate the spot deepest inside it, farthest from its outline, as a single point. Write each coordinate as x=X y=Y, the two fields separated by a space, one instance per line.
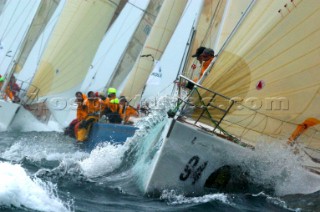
x=208 y=51
x=199 y=51
x=112 y=90
x=1 y=79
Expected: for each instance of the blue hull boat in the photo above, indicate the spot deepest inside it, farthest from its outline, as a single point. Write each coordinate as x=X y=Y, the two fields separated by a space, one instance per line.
x=102 y=132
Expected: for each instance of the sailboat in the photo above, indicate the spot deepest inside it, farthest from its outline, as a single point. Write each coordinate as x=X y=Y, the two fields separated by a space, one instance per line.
x=10 y=107
x=160 y=34
x=153 y=48
x=262 y=87
x=67 y=58
x=135 y=45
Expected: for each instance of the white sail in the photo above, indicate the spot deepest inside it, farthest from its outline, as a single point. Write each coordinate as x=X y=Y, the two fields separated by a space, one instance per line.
x=41 y=17
x=113 y=46
x=39 y=22
x=163 y=75
x=206 y=32
x=157 y=41
x=72 y=45
x=70 y=50
x=135 y=45
x=270 y=67
x=267 y=79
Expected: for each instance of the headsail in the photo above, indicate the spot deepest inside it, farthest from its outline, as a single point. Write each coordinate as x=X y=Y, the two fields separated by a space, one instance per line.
x=135 y=45
x=216 y=22
x=158 y=39
x=69 y=53
x=270 y=66
x=72 y=46
x=39 y=22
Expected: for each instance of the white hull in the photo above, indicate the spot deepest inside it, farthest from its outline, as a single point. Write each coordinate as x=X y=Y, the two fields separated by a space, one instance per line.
x=8 y=111
x=189 y=155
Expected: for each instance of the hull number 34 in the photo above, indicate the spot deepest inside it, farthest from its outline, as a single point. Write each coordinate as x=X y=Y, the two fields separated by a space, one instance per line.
x=193 y=170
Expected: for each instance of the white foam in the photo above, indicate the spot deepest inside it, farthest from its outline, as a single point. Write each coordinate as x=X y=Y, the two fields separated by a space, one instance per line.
x=24 y=121
x=103 y=159
x=276 y=201
x=19 y=190
x=276 y=165
x=178 y=199
x=35 y=150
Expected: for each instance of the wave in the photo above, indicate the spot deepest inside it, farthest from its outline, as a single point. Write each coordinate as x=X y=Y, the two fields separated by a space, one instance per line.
x=17 y=189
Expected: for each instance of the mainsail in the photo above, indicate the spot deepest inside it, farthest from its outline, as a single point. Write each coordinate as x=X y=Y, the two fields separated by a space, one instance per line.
x=157 y=41
x=69 y=53
x=271 y=68
x=135 y=45
x=72 y=46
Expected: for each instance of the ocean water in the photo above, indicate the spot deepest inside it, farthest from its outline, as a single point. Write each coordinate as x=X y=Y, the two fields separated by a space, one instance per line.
x=42 y=170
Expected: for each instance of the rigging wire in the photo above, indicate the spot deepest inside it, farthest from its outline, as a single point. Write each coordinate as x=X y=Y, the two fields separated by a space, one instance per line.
x=167 y=21
x=66 y=63
x=43 y=42
x=116 y=40
x=25 y=21
x=143 y=10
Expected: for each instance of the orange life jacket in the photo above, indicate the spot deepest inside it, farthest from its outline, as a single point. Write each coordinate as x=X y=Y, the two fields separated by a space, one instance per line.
x=301 y=128
x=81 y=109
x=92 y=105
x=128 y=111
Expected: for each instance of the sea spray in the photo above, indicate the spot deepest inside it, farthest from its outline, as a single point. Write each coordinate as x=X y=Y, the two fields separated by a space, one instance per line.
x=275 y=166
x=19 y=190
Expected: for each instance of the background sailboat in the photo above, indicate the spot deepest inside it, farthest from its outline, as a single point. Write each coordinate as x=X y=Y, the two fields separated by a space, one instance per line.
x=132 y=26
x=158 y=39
x=135 y=45
x=40 y=20
x=69 y=53
x=162 y=77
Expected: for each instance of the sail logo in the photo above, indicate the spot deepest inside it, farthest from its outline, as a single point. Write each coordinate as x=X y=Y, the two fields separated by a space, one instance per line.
x=159 y=75
x=147 y=29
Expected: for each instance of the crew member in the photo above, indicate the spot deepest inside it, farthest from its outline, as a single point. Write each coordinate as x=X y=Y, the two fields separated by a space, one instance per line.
x=92 y=106
x=72 y=129
x=127 y=111
x=111 y=107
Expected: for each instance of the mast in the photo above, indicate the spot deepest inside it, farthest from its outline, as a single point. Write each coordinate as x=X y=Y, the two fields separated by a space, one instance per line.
x=158 y=39
x=40 y=20
x=135 y=45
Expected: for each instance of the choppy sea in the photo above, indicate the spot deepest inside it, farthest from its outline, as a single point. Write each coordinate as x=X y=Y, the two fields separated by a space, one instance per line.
x=43 y=170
